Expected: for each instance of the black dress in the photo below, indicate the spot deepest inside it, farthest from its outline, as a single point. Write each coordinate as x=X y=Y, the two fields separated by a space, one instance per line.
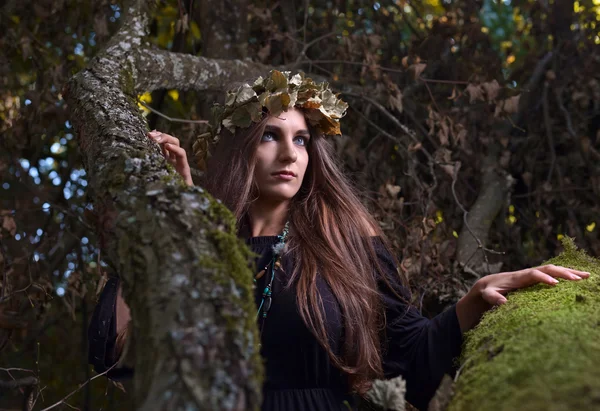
x=299 y=373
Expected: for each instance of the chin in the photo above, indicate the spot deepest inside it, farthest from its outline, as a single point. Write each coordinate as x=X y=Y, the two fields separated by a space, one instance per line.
x=280 y=195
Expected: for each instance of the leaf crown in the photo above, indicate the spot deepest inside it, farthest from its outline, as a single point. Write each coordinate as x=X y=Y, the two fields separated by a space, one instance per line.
x=277 y=92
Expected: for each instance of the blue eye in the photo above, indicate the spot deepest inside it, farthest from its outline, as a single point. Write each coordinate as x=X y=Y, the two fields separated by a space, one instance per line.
x=304 y=140
x=266 y=136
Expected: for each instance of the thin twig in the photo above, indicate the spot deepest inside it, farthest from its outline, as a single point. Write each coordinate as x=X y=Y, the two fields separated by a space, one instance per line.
x=174 y=120
x=389 y=115
x=17 y=383
x=430 y=80
x=351 y=63
x=311 y=43
x=63 y=401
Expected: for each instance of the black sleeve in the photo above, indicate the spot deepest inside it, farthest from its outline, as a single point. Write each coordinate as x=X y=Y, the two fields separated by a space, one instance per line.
x=102 y=333
x=419 y=349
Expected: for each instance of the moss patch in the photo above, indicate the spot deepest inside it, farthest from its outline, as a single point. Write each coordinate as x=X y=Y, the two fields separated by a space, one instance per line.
x=540 y=350
x=232 y=262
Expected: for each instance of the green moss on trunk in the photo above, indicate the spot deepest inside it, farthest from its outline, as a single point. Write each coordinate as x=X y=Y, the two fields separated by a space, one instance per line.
x=539 y=351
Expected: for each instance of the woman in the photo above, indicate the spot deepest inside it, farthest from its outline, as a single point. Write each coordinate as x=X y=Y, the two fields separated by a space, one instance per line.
x=332 y=311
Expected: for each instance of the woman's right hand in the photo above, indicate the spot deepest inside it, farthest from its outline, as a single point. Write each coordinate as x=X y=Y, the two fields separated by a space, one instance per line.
x=173 y=153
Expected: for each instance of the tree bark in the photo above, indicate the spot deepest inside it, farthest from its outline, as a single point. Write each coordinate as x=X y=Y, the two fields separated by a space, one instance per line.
x=183 y=269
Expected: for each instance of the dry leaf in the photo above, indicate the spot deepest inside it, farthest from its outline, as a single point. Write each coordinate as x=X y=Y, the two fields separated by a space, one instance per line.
x=8 y=223
x=393 y=190
x=475 y=93
x=454 y=94
x=395 y=101
x=492 y=89
x=264 y=52
x=417 y=69
x=507 y=106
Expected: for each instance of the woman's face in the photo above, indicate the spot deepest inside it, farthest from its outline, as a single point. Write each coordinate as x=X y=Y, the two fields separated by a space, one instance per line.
x=282 y=157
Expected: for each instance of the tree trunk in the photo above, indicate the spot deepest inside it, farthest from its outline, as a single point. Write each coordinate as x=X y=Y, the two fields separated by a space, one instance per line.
x=183 y=269
x=540 y=350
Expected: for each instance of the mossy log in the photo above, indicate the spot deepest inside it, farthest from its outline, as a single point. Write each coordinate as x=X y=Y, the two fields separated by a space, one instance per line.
x=540 y=350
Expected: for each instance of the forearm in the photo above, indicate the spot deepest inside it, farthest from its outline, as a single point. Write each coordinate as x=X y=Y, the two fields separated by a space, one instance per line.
x=470 y=308
x=123 y=317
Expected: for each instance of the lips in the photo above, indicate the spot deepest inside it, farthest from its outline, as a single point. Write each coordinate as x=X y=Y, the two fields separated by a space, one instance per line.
x=285 y=172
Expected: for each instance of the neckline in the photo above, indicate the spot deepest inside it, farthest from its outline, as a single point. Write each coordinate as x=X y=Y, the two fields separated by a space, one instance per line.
x=263 y=240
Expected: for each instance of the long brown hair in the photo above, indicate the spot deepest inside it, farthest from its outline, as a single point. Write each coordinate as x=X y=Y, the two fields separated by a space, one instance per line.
x=330 y=233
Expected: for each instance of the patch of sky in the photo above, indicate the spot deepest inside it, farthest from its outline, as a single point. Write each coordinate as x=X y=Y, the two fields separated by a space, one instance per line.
x=36 y=256
x=33 y=172
x=53 y=174
x=55 y=148
x=84 y=240
x=60 y=291
x=71 y=266
x=46 y=207
x=67 y=191
x=46 y=164
x=27 y=102
x=37 y=180
x=39 y=231
x=63 y=141
x=18 y=237
x=5 y=186
x=69 y=136
x=80 y=192
x=360 y=12
x=78 y=49
x=376 y=6
x=68 y=124
x=24 y=163
x=92 y=39
x=75 y=174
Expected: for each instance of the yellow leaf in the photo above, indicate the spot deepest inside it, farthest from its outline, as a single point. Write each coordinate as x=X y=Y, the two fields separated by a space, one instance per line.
x=560 y=237
x=455 y=234
x=195 y=31
x=146 y=98
x=591 y=227
x=174 y=94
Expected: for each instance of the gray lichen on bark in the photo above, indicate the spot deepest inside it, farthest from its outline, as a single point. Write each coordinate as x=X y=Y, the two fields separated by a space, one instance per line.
x=183 y=269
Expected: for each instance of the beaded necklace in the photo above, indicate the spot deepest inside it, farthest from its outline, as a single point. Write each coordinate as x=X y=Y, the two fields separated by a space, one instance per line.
x=275 y=263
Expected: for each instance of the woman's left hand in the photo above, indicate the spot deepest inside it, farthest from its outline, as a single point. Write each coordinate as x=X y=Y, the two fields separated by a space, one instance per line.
x=491 y=289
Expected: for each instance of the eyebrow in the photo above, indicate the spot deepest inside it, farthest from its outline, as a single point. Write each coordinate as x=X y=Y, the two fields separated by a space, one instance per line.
x=276 y=129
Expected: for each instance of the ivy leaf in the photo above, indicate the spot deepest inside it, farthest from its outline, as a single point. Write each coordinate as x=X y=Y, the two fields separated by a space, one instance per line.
x=276 y=82
x=245 y=95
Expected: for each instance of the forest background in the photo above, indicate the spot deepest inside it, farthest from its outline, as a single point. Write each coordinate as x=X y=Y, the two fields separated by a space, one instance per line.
x=473 y=133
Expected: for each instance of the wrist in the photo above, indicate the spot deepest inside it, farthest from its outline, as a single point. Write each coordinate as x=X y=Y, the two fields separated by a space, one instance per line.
x=471 y=307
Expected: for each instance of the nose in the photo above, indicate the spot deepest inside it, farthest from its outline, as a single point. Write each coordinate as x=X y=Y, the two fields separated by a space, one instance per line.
x=287 y=150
